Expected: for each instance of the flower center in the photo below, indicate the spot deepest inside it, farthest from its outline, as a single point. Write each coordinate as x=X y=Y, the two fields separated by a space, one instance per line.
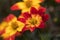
x=14 y=25
x=28 y=3
x=33 y=21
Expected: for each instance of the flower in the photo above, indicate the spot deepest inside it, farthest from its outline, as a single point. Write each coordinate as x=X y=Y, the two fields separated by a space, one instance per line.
x=33 y=19
x=13 y=26
x=57 y=1
x=26 y=5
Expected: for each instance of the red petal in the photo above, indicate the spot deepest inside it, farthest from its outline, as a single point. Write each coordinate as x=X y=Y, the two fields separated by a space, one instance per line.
x=17 y=34
x=2 y=31
x=33 y=10
x=9 y=17
x=14 y=7
x=28 y=28
x=41 y=11
x=24 y=29
x=42 y=0
x=10 y=38
x=21 y=20
x=42 y=25
x=26 y=15
x=45 y=17
x=32 y=29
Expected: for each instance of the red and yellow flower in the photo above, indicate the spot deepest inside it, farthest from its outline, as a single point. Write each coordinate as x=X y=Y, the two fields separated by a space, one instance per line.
x=12 y=27
x=26 y=5
x=33 y=19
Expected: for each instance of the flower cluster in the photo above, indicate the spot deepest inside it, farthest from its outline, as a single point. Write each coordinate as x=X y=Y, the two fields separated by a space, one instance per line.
x=33 y=19
x=32 y=16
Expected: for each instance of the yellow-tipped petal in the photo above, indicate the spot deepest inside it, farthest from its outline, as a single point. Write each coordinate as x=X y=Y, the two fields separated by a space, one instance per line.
x=21 y=5
x=25 y=0
x=36 y=6
x=36 y=1
x=13 y=20
x=25 y=10
x=6 y=35
x=8 y=32
x=3 y=25
x=21 y=25
x=39 y=20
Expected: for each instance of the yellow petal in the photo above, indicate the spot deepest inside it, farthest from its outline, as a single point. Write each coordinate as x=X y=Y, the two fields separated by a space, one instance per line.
x=36 y=6
x=3 y=25
x=21 y=5
x=13 y=20
x=25 y=0
x=8 y=32
x=21 y=25
x=25 y=10
x=35 y=1
x=5 y=35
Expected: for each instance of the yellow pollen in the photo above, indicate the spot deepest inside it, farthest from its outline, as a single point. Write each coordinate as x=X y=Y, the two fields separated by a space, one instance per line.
x=33 y=21
x=14 y=25
x=28 y=3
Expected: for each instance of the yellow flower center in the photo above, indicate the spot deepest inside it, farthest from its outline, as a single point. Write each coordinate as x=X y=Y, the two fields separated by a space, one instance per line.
x=14 y=25
x=35 y=20
x=28 y=3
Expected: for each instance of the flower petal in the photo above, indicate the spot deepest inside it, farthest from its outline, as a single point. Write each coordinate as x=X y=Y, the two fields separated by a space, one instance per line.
x=2 y=31
x=36 y=1
x=10 y=38
x=17 y=34
x=24 y=29
x=9 y=17
x=19 y=5
x=26 y=15
x=3 y=25
x=28 y=28
x=21 y=20
x=45 y=17
x=36 y=6
x=21 y=26
x=32 y=29
x=42 y=25
x=41 y=11
x=14 y=7
x=33 y=10
x=25 y=0
x=25 y=10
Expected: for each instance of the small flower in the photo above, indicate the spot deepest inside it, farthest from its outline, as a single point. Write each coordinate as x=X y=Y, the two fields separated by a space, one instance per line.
x=26 y=5
x=57 y=1
x=12 y=27
x=33 y=19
